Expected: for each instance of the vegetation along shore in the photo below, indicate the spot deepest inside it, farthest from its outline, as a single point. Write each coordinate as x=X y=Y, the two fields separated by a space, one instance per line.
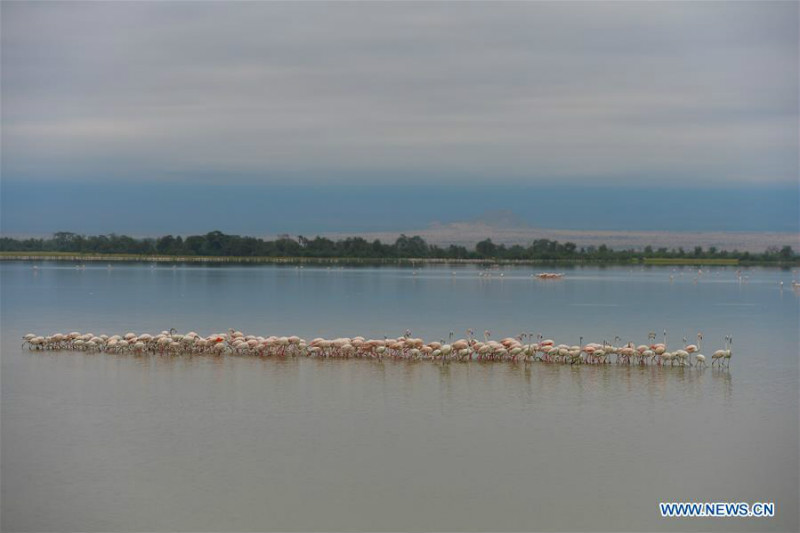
x=219 y=247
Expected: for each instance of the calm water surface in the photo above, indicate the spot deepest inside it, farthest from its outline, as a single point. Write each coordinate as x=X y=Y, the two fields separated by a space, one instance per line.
x=100 y=442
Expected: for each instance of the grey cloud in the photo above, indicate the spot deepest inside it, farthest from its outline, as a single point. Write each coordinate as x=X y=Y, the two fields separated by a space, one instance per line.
x=696 y=92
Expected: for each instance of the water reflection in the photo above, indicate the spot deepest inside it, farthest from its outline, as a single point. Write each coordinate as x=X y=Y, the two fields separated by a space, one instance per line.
x=583 y=383
x=723 y=381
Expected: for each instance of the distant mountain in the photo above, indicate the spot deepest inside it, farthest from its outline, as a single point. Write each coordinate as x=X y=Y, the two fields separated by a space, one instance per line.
x=496 y=219
x=501 y=218
x=506 y=227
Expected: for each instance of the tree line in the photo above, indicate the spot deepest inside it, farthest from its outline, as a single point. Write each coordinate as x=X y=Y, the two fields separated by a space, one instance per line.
x=218 y=244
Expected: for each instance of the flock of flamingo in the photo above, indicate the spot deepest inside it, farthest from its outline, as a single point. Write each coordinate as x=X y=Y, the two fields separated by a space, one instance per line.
x=522 y=348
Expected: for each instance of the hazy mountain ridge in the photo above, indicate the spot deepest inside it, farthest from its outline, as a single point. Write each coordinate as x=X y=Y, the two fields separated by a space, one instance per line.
x=505 y=227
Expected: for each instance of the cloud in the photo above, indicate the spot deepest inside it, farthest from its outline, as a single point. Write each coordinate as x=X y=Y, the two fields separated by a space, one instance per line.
x=450 y=92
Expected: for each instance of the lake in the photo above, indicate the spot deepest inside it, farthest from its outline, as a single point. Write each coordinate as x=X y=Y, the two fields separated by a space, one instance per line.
x=97 y=442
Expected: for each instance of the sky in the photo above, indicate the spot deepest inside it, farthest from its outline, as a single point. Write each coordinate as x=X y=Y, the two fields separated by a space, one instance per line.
x=180 y=117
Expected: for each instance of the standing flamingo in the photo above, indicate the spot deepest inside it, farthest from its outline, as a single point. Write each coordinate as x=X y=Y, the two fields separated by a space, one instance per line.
x=699 y=358
x=717 y=356
x=727 y=356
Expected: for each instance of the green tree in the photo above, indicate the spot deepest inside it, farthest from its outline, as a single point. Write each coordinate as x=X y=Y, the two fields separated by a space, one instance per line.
x=486 y=249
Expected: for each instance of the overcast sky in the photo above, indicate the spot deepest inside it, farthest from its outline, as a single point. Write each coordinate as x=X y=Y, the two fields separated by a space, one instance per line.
x=683 y=94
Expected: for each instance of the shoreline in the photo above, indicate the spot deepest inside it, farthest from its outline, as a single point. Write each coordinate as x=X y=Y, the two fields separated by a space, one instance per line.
x=653 y=261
